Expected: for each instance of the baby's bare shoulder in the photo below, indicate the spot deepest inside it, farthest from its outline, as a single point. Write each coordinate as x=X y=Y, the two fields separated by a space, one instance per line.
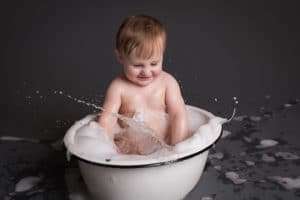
x=116 y=85
x=169 y=79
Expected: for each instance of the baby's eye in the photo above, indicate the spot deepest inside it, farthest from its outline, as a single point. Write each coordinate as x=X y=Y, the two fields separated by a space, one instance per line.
x=153 y=64
x=138 y=65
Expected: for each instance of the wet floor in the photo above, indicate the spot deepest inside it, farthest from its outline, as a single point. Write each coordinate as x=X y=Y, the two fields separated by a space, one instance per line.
x=258 y=156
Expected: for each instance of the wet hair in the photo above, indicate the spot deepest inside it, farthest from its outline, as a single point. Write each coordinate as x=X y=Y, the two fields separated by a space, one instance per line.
x=144 y=34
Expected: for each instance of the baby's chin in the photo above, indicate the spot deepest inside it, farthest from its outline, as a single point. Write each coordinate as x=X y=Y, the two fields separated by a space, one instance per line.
x=142 y=83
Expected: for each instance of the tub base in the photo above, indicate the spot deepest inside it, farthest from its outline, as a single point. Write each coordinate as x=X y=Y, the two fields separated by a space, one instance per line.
x=169 y=181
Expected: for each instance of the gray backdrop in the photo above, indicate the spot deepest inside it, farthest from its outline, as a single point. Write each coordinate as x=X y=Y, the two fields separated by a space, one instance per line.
x=247 y=49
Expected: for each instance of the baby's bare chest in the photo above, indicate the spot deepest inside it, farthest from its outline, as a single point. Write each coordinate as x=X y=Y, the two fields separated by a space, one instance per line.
x=135 y=101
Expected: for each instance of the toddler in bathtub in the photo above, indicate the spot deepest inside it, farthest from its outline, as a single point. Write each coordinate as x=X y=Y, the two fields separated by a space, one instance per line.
x=143 y=91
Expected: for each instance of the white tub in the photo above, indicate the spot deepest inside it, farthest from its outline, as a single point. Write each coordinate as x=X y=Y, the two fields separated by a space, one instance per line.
x=168 y=178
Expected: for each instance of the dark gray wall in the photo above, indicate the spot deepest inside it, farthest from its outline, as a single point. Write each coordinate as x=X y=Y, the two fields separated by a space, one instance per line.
x=215 y=49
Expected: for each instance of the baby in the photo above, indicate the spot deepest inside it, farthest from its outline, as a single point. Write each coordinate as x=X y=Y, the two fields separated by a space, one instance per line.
x=143 y=91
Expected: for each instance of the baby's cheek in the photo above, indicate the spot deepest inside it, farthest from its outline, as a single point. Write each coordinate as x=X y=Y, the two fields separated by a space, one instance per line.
x=156 y=73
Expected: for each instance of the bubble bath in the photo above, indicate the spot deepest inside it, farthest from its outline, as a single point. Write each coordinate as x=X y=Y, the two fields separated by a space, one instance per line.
x=87 y=140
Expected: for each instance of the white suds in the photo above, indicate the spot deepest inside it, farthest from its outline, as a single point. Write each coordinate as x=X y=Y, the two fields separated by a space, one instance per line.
x=255 y=118
x=12 y=138
x=88 y=140
x=218 y=155
x=235 y=178
x=287 y=155
x=266 y=144
x=287 y=105
x=209 y=197
x=249 y=163
x=286 y=182
x=267 y=158
x=218 y=167
x=27 y=183
x=226 y=133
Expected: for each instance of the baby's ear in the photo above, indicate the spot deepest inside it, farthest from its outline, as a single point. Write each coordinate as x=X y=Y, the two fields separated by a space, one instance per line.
x=119 y=57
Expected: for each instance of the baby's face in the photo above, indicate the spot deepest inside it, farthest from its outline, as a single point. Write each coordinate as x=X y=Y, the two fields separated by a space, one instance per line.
x=141 y=71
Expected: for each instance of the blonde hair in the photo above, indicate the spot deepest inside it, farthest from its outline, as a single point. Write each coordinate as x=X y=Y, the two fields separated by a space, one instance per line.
x=141 y=33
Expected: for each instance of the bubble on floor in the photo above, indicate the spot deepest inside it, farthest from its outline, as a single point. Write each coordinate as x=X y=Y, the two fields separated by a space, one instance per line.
x=217 y=155
x=240 y=118
x=218 y=167
x=287 y=105
x=247 y=139
x=287 y=155
x=255 y=118
x=266 y=143
x=225 y=133
x=235 y=178
x=209 y=197
x=27 y=183
x=286 y=182
x=15 y=139
x=267 y=158
x=268 y=114
x=249 y=163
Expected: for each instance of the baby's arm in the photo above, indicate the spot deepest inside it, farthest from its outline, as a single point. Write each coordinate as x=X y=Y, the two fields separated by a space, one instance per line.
x=111 y=105
x=178 y=128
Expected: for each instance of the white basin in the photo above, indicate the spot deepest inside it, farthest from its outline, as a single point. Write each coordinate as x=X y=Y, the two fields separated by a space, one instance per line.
x=170 y=177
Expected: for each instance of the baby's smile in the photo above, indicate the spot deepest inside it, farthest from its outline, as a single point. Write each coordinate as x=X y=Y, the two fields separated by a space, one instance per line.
x=144 y=78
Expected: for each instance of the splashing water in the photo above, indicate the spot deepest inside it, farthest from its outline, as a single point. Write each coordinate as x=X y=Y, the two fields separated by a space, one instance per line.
x=140 y=129
x=136 y=127
x=235 y=103
x=77 y=100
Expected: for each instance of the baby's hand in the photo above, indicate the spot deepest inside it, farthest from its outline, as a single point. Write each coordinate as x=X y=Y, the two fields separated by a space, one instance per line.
x=125 y=144
x=134 y=142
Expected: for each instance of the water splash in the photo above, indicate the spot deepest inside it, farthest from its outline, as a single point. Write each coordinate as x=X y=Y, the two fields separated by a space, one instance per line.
x=235 y=103
x=138 y=126
x=77 y=100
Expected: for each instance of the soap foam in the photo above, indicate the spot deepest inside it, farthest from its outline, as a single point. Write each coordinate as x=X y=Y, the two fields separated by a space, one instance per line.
x=87 y=140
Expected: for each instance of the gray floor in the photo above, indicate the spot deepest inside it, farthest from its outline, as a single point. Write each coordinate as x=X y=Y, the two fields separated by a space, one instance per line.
x=40 y=154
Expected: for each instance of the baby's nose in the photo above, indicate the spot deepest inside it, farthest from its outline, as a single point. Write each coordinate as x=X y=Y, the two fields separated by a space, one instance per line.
x=146 y=72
